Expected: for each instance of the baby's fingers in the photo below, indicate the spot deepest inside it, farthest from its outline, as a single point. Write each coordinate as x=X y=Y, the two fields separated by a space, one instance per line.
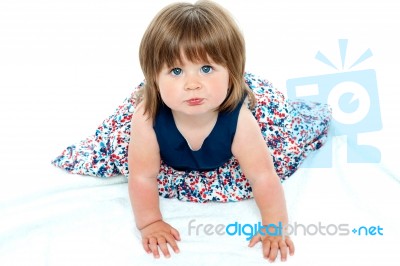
x=283 y=249
x=270 y=250
x=163 y=246
x=175 y=233
x=254 y=240
x=153 y=245
x=290 y=245
x=145 y=244
x=172 y=242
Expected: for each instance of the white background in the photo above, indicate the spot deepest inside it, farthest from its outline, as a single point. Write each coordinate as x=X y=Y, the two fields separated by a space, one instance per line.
x=65 y=65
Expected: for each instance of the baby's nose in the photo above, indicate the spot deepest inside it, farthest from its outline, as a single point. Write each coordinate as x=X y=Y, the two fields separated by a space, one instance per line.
x=192 y=83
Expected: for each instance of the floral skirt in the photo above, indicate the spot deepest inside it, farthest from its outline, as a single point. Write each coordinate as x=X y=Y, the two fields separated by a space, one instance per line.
x=291 y=129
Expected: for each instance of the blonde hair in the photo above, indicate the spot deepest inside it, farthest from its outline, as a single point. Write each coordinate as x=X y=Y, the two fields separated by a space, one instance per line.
x=200 y=31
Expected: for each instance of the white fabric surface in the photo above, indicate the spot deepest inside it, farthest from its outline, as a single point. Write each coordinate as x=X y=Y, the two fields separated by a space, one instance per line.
x=78 y=220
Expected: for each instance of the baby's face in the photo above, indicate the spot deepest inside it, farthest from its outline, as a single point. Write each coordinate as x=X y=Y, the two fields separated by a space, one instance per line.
x=193 y=88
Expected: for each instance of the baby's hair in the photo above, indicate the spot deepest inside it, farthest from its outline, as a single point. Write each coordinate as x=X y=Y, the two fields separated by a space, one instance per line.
x=201 y=31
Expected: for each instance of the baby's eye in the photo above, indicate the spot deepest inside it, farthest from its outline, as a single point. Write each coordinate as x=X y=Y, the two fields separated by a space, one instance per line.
x=176 y=71
x=206 y=69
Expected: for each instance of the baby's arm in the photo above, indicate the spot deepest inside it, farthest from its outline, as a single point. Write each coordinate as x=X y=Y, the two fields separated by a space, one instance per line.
x=144 y=166
x=250 y=149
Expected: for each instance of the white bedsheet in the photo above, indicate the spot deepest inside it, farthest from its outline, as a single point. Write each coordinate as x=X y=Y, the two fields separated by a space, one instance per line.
x=65 y=65
x=77 y=220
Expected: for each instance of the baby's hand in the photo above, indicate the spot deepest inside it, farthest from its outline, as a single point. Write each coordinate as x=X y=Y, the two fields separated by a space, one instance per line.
x=157 y=235
x=272 y=244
